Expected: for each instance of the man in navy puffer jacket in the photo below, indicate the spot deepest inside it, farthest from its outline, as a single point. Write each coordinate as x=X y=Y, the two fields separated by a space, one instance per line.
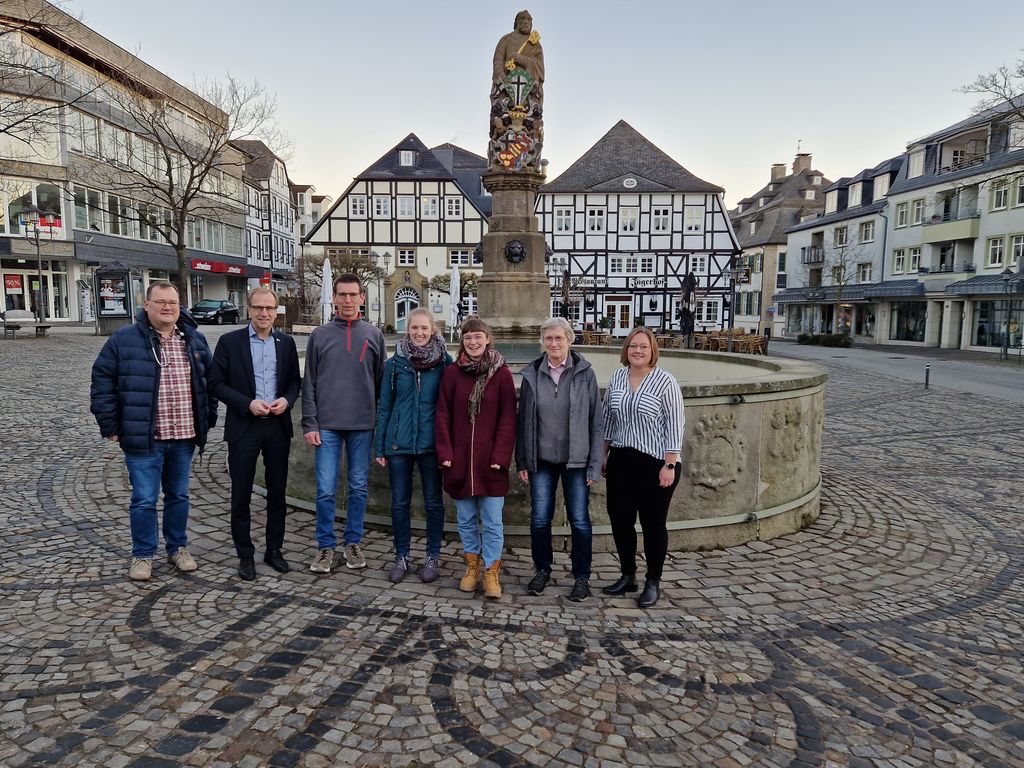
x=149 y=396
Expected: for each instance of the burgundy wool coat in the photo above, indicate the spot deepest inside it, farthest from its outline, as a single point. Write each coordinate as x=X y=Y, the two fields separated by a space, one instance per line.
x=473 y=447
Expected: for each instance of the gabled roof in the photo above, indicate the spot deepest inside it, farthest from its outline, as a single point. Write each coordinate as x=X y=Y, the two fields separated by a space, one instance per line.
x=622 y=152
x=426 y=166
x=261 y=164
x=467 y=168
x=788 y=189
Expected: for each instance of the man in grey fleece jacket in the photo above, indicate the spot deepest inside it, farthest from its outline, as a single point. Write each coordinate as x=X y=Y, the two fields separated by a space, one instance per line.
x=344 y=367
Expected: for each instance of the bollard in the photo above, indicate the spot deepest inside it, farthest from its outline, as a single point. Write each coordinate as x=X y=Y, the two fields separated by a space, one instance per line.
x=927 y=373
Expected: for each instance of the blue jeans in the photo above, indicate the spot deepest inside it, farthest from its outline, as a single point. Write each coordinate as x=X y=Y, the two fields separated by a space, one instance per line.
x=477 y=510
x=357 y=443
x=400 y=468
x=167 y=466
x=577 y=501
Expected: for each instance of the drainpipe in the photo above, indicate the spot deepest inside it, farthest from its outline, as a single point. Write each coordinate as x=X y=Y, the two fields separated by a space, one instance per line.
x=885 y=236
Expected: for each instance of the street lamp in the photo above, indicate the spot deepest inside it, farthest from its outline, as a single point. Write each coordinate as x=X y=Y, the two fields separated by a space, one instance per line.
x=376 y=259
x=1007 y=275
x=735 y=273
x=33 y=215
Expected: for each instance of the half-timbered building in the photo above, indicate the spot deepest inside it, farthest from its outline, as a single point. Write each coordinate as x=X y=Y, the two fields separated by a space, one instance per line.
x=628 y=223
x=418 y=212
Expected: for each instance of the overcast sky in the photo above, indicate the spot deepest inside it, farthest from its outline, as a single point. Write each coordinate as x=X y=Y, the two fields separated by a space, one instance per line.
x=725 y=88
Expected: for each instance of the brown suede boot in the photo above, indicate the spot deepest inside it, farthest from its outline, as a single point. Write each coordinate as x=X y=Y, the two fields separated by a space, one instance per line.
x=492 y=587
x=472 y=577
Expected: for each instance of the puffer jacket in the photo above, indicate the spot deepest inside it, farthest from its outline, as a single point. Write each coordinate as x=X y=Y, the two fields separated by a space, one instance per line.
x=405 y=413
x=126 y=383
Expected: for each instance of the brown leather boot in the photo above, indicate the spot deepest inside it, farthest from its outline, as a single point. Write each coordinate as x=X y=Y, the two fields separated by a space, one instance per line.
x=492 y=587
x=472 y=577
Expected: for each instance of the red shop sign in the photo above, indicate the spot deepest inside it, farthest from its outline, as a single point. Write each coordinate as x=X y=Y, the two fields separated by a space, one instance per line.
x=13 y=283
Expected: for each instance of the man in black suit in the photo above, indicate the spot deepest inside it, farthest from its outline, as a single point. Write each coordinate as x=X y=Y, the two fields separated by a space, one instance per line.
x=255 y=373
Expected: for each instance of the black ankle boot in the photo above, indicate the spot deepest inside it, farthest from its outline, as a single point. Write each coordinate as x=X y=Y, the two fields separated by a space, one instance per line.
x=626 y=583
x=650 y=595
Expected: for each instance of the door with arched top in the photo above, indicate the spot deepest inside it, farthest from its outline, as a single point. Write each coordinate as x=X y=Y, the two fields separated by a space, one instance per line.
x=406 y=300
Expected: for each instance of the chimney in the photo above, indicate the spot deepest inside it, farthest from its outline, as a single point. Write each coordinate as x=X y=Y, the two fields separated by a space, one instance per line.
x=778 y=171
x=802 y=162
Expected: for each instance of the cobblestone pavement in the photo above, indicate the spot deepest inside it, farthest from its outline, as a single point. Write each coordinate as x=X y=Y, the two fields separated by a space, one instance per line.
x=888 y=634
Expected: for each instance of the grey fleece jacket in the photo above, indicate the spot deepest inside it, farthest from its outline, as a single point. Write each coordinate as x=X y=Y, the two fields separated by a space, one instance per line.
x=586 y=426
x=344 y=366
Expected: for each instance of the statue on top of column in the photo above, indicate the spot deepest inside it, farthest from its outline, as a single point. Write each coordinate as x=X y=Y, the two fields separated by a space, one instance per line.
x=517 y=99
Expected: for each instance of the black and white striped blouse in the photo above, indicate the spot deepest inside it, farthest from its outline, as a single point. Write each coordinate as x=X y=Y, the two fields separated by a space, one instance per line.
x=651 y=419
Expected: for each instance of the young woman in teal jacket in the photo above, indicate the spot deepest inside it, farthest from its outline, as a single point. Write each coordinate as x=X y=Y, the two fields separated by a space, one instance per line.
x=404 y=438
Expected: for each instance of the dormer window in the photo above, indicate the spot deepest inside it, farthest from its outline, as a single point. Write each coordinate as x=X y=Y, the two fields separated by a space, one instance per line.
x=853 y=196
x=816 y=181
x=406 y=158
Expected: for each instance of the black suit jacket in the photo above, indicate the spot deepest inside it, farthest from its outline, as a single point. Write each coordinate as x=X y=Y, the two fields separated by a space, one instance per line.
x=233 y=382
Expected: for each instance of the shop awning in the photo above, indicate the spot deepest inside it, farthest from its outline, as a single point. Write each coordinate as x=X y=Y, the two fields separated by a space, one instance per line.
x=893 y=288
x=986 y=285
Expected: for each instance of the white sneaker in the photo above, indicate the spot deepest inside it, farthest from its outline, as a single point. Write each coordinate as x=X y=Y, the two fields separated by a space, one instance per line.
x=323 y=561
x=182 y=560
x=141 y=569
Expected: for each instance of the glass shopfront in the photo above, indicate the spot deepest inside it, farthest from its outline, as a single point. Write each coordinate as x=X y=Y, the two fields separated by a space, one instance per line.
x=991 y=323
x=22 y=287
x=908 y=320
x=865 y=323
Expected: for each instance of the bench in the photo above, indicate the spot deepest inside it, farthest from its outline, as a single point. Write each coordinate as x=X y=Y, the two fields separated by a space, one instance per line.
x=16 y=319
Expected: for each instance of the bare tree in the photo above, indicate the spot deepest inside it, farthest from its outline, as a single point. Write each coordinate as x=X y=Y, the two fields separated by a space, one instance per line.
x=309 y=272
x=842 y=260
x=1002 y=89
x=168 y=162
x=443 y=284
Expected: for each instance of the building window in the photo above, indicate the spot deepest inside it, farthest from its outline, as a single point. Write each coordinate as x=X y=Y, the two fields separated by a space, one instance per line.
x=563 y=220
x=902 y=211
x=1000 y=195
x=708 y=311
x=381 y=207
x=780 y=281
x=864 y=272
x=453 y=207
x=88 y=209
x=1016 y=250
x=407 y=158
x=917 y=211
x=629 y=220
x=595 y=220
x=615 y=264
x=838 y=276
x=816 y=180
x=781 y=267
x=832 y=201
x=753 y=227
x=407 y=257
x=907 y=321
x=632 y=264
x=839 y=237
x=995 y=251
x=867 y=232
x=459 y=257
x=647 y=265
x=406 y=207
x=357 y=207
x=899 y=259
x=699 y=264
x=693 y=218
x=809 y=194
x=119 y=219
x=915 y=259
x=853 y=196
x=915 y=166
x=881 y=187
x=429 y=207
x=660 y=219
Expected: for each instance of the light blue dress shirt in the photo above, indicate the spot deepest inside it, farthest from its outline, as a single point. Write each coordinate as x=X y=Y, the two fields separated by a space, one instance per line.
x=264 y=365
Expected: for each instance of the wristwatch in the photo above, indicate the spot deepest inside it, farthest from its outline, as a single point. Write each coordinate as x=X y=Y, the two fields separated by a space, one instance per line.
x=670 y=465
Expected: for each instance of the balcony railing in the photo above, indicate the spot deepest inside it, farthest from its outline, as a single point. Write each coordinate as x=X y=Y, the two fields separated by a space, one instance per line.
x=967 y=213
x=812 y=255
x=964 y=162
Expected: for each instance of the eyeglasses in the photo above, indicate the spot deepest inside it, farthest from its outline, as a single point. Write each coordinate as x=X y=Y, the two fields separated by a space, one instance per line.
x=164 y=302
x=347 y=295
x=255 y=308
x=640 y=347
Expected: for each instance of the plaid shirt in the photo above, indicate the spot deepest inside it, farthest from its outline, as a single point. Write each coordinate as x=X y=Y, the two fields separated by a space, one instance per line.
x=174 y=419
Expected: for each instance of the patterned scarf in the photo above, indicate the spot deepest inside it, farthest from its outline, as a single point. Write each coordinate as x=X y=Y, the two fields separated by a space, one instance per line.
x=427 y=356
x=489 y=362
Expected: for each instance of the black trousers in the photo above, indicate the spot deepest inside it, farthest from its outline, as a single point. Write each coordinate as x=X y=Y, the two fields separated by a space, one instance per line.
x=633 y=492
x=266 y=436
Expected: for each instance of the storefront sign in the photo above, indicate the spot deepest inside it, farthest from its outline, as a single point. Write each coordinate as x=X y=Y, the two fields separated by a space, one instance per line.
x=13 y=283
x=219 y=267
x=647 y=282
x=265 y=280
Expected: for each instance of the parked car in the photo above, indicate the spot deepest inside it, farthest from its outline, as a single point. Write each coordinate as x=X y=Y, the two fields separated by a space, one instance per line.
x=215 y=311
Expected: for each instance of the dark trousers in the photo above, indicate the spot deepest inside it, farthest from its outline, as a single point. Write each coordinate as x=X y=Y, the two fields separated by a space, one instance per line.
x=264 y=436
x=633 y=492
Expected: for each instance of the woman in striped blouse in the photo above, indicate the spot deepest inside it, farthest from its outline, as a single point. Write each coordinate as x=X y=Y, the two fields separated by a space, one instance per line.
x=643 y=422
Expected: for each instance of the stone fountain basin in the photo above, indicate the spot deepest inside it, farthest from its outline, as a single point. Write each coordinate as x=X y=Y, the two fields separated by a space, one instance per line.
x=751 y=456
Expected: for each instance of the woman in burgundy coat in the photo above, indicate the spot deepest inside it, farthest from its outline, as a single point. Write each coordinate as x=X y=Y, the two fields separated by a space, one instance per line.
x=475 y=433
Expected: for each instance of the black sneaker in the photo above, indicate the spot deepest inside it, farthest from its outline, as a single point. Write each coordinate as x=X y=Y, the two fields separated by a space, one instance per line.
x=580 y=590
x=537 y=583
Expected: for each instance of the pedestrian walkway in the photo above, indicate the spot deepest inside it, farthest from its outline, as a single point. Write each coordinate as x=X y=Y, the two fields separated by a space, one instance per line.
x=886 y=634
